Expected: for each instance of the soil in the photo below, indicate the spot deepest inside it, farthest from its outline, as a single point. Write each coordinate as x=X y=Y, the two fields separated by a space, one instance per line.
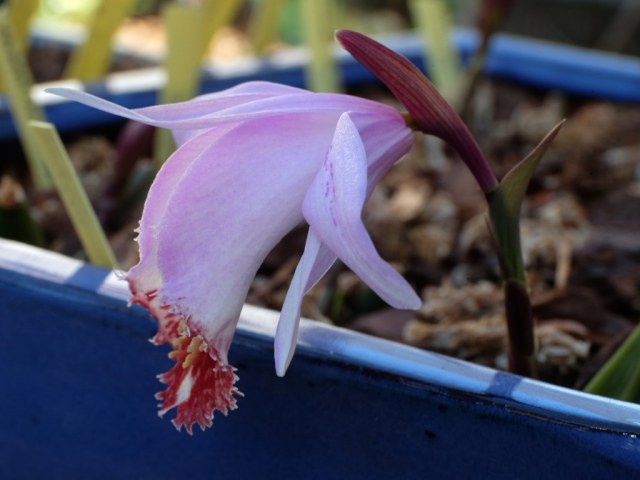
x=47 y=62
x=580 y=231
x=48 y=59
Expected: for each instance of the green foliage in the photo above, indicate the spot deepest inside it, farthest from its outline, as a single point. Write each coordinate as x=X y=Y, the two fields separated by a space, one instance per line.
x=505 y=203
x=620 y=376
x=76 y=11
x=504 y=209
x=16 y=222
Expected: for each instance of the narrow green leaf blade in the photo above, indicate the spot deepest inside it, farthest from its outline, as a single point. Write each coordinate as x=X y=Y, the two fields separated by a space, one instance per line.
x=620 y=376
x=504 y=208
x=514 y=184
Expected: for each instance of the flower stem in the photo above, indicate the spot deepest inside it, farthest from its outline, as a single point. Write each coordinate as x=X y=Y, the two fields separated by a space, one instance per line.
x=504 y=214
x=520 y=327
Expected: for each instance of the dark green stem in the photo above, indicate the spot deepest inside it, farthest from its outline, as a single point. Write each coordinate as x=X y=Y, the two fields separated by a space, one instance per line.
x=520 y=327
x=519 y=317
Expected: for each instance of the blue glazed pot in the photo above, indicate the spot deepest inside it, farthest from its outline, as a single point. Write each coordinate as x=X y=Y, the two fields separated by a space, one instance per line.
x=530 y=62
x=78 y=379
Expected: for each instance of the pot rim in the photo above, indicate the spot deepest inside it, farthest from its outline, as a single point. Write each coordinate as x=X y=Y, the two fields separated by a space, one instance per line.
x=355 y=349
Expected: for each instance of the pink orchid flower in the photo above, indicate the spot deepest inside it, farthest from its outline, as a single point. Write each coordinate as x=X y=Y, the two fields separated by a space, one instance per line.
x=252 y=163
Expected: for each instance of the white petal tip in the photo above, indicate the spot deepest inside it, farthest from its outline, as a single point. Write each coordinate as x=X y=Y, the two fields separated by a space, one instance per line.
x=409 y=300
x=281 y=367
x=283 y=359
x=415 y=303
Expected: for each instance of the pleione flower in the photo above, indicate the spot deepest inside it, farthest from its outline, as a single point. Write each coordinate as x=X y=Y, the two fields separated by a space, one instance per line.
x=252 y=162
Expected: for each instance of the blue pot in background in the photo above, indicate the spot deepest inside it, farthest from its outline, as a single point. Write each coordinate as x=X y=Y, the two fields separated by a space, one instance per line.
x=530 y=62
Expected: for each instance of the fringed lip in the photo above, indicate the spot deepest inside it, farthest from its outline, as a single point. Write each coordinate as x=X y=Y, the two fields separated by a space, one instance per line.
x=198 y=385
x=201 y=382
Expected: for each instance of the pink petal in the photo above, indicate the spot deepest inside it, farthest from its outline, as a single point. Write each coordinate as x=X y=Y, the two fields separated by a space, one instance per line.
x=236 y=201
x=333 y=207
x=315 y=261
x=145 y=279
x=188 y=119
x=230 y=208
x=197 y=107
x=201 y=381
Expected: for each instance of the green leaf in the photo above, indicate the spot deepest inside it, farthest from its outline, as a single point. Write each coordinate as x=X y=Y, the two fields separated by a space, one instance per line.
x=620 y=376
x=16 y=222
x=504 y=208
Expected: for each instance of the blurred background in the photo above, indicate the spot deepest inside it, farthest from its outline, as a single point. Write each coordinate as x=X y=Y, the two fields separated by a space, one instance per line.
x=605 y=24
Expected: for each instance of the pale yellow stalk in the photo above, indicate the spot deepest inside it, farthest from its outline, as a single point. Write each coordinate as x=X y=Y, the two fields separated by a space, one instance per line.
x=264 y=25
x=15 y=75
x=433 y=21
x=73 y=196
x=20 y=14
x=189 y=31
x=91 y=60
x=217 y=14
x=317 y=26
